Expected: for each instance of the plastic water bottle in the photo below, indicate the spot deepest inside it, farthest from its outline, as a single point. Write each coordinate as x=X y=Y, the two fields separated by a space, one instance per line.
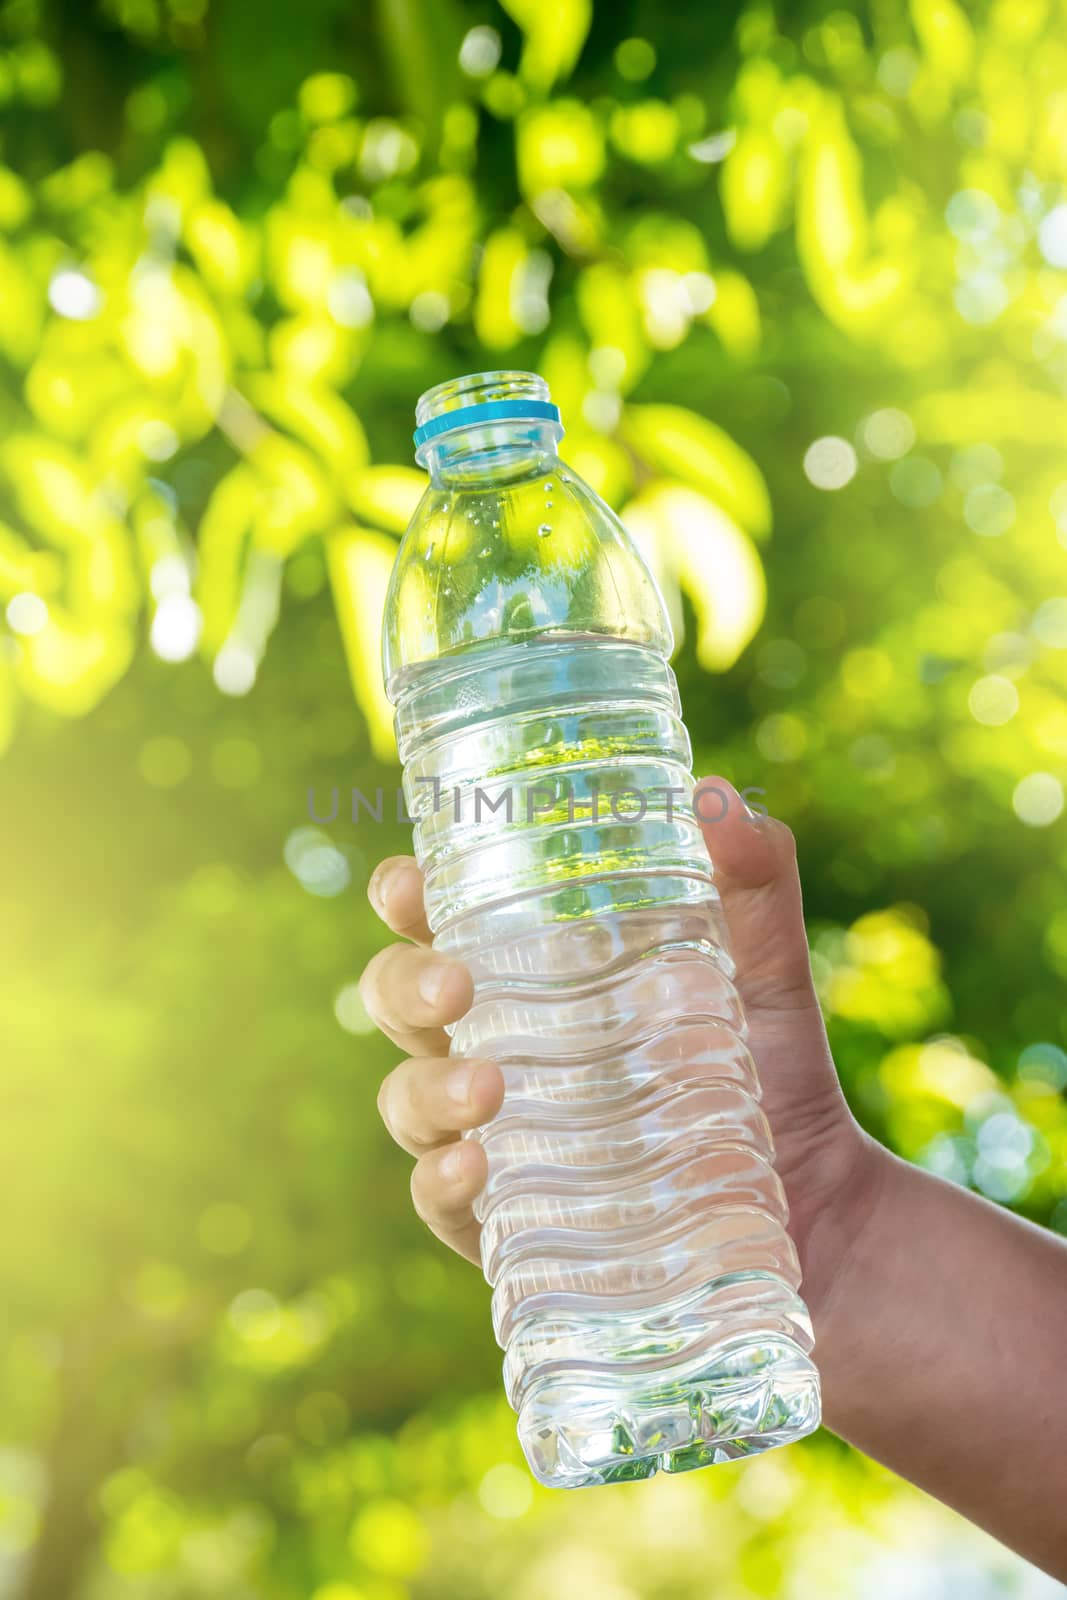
x=633 y=1227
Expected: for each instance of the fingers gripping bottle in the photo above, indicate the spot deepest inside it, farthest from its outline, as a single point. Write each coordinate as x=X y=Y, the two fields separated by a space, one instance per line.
x=633 y=1227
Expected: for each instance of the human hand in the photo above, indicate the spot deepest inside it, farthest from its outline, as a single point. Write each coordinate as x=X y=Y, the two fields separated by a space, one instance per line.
x=930 y=1305
x=427 y=1101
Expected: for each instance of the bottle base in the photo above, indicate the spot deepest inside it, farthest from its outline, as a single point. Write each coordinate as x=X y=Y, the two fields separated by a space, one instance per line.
x=752 y=1396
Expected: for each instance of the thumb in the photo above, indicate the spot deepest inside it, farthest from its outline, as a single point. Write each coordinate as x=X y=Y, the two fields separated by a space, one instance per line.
x=755 y=868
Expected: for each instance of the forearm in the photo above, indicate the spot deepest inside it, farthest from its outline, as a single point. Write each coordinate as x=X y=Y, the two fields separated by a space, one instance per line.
x=941 y=1336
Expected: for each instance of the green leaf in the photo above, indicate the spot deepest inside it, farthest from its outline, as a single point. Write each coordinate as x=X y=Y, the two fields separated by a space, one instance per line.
x=52 y=488
x=503 y=258
x=315 y=414
x=676 y=443
x=735 y=315
x=297 y=499
x=693 y=545
x=755 y=188
x=76 y=378
x=224 y=249
x=387 y=496
x=558 y=147
x=832 y=226
x=71 y=664
x=16 y=202
x=647 y=132
x=22 y=567
x=946 y=36
x=555 y=31
x=609 y=308
x=223 y=536
x=360 y=562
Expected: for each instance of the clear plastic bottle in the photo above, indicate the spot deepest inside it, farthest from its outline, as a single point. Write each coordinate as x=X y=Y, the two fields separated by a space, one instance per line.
x=634 y=1230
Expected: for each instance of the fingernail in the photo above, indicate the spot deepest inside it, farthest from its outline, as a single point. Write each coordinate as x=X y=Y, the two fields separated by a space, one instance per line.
x=377 y=886
x=451 y=1164
x=432 y=981
x=756 y=813
x=458 y=1085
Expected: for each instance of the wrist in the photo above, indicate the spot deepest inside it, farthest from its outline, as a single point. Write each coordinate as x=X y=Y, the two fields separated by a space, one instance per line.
x=835 y=1228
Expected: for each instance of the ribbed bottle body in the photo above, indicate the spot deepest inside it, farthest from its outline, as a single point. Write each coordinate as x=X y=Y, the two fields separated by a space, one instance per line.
x=633 y=1227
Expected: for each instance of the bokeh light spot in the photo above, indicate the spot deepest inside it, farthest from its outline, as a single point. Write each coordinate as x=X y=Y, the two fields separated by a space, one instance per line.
x=782 y=737
x=325 y=96
x=1004 y=1145
x=348 y=300
x=74 y=295
x=715 y=148
x=26 y=614
x=1008 y=654
x=700 y=291
x=1050 y=623
x=897 y=70
x=1052 y=236
x=235 y=669
x=1038 y=799
x=506 y=1491
x=175 y=630
x=1044 y=1066
x=635 y=59
x=981 y=298
x=255 y=1315
x=975 y=464
x=316 y=863
x=993 y=700
x=989 y=510
x=350 y=1011
x=388 y=1537
x=157 y=440
x=915 y=482
x=887 y=434
x=830 y=462
x=429 y=311
x=972 y=215
x=950 y=1156
x=607 y=366
x=1057 y=504
x=479 y=54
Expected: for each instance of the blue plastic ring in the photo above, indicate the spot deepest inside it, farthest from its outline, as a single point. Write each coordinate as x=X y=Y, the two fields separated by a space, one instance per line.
x=487 y=411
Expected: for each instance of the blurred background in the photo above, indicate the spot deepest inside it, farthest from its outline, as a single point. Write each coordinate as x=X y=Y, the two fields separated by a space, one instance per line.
x=797 y=275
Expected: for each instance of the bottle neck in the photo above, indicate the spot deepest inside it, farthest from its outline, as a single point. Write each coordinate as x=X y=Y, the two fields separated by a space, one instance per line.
x=492 y=453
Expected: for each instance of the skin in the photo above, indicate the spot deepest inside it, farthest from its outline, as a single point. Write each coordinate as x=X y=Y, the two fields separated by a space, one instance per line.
x=940 y=1319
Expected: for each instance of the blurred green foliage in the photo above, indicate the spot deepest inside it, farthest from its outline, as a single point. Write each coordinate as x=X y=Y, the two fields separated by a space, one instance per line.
x=799 y=283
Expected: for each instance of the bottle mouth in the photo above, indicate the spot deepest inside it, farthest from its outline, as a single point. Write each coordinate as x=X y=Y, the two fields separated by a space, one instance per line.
x=481 y=398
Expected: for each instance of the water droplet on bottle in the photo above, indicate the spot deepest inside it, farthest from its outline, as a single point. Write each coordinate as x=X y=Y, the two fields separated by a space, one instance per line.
x=483 y=553
x=548 y=488
x=548 y=505
x=544 y=530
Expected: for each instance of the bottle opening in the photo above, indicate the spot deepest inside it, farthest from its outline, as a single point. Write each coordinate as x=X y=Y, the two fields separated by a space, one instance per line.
x=479 y=400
